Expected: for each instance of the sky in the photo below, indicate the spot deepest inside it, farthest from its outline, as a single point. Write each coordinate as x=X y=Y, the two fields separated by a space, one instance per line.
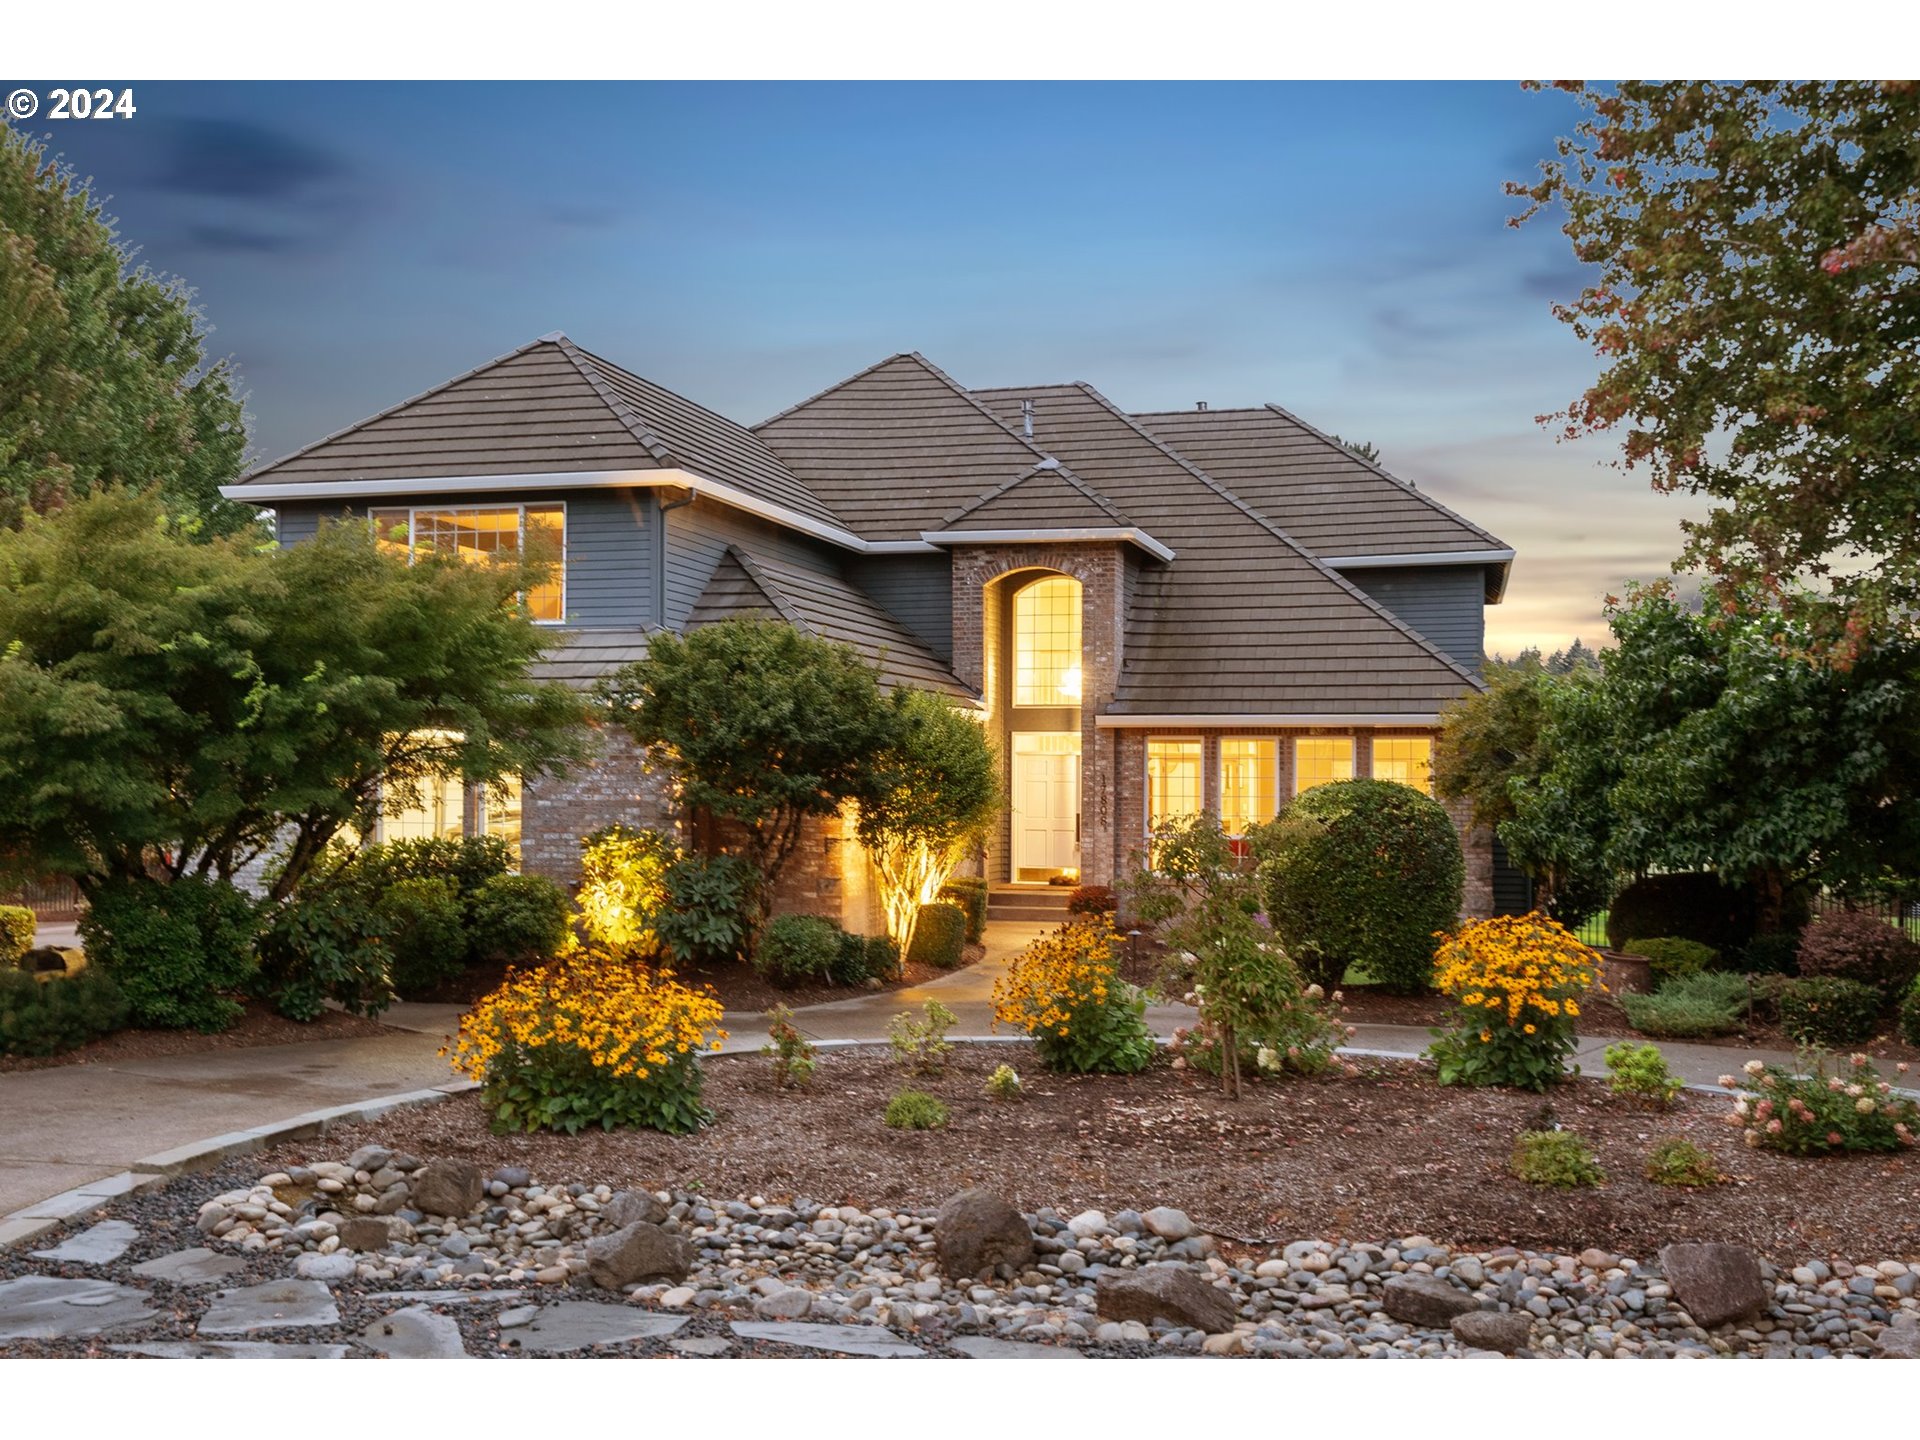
x=1341 y=249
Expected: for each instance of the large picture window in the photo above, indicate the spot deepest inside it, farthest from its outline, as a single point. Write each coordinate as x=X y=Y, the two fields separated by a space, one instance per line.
x=449 y=808
x=1249 y=783
x=1406 y=760
x=479 y=533
x=1173 y=780
x=1046 y=642
x=1320 y=760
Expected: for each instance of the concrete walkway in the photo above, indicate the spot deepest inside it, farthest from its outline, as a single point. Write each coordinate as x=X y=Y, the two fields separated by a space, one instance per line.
x=73 y=1124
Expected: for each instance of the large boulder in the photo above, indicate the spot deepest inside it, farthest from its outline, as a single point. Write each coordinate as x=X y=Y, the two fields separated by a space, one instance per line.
x=1901 y=1339
x=1166 y=1292
x=1504 y=1330
x=633 y=1207
x=1717 y=1284
x=976 y=1233
x=1424 y=1301
x=447 y=1187
x=639 y=1251
x=368 y=1233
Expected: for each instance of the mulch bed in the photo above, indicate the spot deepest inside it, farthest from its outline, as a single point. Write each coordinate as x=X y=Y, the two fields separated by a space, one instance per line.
x=259 y=1026
x=1375 y=1156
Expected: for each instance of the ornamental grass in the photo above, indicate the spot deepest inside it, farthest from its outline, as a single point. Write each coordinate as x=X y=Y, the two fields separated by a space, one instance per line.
x=592 y=1041
x=1516 y=982
x=1066 y=992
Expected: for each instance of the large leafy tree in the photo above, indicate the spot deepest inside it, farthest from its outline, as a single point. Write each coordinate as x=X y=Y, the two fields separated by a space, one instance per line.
x=1756 y=309
x=931 y=794
x=172 y=708
x=761 y=726
x=104 y=377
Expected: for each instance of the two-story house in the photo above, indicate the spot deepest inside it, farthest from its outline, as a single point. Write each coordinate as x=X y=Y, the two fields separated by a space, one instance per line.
x=1152 y=614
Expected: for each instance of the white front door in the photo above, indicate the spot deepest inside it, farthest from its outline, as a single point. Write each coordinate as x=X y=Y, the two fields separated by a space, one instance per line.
x=1046 y=805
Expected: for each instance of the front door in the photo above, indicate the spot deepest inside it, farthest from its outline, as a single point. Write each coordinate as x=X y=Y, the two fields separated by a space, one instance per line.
x=1046 y=805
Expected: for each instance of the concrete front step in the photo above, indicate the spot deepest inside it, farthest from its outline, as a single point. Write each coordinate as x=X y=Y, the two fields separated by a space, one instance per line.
x=1029 y=902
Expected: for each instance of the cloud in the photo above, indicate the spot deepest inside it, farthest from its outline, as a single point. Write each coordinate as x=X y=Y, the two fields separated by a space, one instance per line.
x=239 y=240
x=236 y=160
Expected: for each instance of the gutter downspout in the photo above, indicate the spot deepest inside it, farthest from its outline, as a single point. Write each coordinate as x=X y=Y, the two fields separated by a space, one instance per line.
x=661 y=507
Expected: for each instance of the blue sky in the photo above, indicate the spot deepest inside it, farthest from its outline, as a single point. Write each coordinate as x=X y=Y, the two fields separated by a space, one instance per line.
x=1339 y=248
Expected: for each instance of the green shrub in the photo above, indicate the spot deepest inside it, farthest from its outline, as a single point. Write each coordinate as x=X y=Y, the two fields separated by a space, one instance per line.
x=179 y=951
x=1640 y=1072
x=916 y=1110
x=1558 y=1158
x=424 y=923
x=1824 y=1109
x=865 y=957
x=1709 y=1004
x=922 y=1045
x=518 y=917
x=1824 y=1011
x=969 y=892
x=623 y=888
x=799 y=950
x=1362 y=872
x=704 y=920
x=793 y=1055
x=1775 y=953
x=1674 y=959
x=1910 y=1016
x=1004 y=1083
x=939 y=936
x=50 y=1017
x=1678 y=1161
x=1692 y=906
x=466 y=863
x=326 y=943
x=17 y=926
x=1849 y=945
x=1093 y=900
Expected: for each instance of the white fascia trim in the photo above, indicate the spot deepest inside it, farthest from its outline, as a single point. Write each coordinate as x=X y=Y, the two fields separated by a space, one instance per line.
x=561 y=480
x=1256 y=722
x=1043 y=537
x=1424 y=557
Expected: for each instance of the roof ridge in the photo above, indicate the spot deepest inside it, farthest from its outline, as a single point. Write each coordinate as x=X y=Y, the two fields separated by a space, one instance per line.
x=550 y=338
x=1210 y=410
x=1383 y=472
x=764 y=583
x=585 y=362
x=1338 y=579
x=836 y=385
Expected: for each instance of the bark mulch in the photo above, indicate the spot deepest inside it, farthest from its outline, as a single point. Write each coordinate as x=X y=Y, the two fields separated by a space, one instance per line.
x=259 y=1026
x=1374 y=1156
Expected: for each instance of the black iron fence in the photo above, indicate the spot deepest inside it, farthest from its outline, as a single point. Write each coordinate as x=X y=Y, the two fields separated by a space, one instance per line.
x=1903 y=913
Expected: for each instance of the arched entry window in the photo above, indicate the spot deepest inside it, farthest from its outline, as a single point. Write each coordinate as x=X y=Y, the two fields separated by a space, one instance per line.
x=1046 y=642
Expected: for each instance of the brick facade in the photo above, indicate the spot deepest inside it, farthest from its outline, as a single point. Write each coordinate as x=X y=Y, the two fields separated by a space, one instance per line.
x=615 y=785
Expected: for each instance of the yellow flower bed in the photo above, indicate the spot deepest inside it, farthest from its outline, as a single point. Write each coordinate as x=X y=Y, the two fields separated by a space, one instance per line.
x=1066 y=992
x=1516 y=980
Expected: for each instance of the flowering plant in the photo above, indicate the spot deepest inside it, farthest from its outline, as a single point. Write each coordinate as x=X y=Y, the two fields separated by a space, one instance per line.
x=1822 y=1110
x=1066 y=992
x=590 y=1042
x=1516 y=982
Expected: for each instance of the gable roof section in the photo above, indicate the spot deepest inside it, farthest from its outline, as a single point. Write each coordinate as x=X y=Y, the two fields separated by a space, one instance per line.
x=750 y=583
x=897 y=448
x=1318 y=491
x=1246 y=622
x=548 y=408
x=1046 y=497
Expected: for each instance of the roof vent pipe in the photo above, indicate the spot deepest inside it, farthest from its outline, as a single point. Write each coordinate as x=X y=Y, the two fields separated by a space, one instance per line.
x=1026 y=417
x=1199 y=404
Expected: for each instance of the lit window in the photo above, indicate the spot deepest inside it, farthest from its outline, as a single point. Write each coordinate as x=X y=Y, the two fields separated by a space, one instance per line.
x=1320 y=761
x=479 y=534
x=439 y=814
x=1046 y=642
x=1249 y=783
x=1173 y=780
x=1405 y=760
x=500 y=813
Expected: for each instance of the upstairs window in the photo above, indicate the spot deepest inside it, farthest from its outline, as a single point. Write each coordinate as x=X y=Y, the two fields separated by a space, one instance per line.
x=1249 y=783
x=1320 y=760
x=1406 y=760
x=1046 y=642
x=479 y=533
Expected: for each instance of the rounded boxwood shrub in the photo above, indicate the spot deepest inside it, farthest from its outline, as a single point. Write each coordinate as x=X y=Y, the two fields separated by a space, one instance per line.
x=1362 y=872
x=969 y=892
x=1674 y=959
x=50 y=1017
x=939 y=936
x=178 y=951
x=1849 y=945
x=518 y=917
x=17 y=924
x=798 y=949
x=426 y=930
x=1822 y=1010
x=865 y=957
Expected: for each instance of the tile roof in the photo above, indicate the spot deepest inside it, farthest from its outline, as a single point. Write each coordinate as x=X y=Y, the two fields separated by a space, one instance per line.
x=750 y=583
x=1313 y=487
x=1245 y=621
x=1046 y=497
x=580 y=657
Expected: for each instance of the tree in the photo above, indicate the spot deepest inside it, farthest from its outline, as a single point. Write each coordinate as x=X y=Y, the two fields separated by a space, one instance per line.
x=760 y=725
x=1488 y=737
x=172 y=708
x=930 y=797
x=104 y=379
x=1755 y=313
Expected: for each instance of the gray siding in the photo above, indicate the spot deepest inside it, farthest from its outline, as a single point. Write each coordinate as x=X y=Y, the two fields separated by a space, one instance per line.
x=609 y=552
x=1445 y=603
x=917 y=590
x=698 y=535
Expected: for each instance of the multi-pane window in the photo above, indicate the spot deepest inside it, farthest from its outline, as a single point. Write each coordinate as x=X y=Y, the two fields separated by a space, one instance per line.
x=1173 y=780
x=1320 y=760
x=1046 y=642
x=479 y=533
x=1406 y=759
x=1249 y=783
x=449 y=808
